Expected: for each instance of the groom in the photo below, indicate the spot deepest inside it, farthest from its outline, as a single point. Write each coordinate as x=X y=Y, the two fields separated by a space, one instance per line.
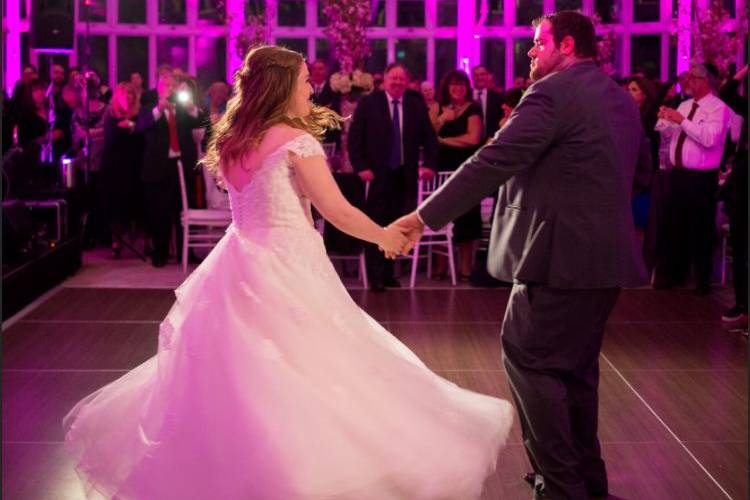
x=563 y=233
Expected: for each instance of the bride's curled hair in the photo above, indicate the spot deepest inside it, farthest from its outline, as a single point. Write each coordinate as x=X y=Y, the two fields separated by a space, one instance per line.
x=263 y=89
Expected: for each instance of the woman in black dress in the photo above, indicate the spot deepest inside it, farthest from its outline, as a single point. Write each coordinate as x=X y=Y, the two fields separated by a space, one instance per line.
x=458 y=124
x=121 y=161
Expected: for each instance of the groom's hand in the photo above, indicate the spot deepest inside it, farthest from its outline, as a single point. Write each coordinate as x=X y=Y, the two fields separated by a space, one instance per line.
x=412 y=227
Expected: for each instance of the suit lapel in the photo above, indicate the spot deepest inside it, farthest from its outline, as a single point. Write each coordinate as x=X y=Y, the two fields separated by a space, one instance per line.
x=385 y=112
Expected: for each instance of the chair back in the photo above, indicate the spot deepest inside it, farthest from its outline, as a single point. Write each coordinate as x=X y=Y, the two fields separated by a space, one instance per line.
x=426 y=188
x=183 y=187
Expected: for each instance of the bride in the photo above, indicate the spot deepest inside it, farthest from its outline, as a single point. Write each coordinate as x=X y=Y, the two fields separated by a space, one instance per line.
x=269 y=381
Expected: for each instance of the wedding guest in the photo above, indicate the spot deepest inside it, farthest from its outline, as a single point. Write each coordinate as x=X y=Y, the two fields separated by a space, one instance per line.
x=33 y=115
x=121 y=162
x=734 y=195
x=88 y=142
x=428 y=92
x=58 y=81
x=388 y=129
x=459 y=130
x=644 y=95
x=489 y=100
x=700 y=127
x=137 y=80
x=19 y=96
x=151 y=97
x=218 y=96
x=324 y=95
x=167 y=127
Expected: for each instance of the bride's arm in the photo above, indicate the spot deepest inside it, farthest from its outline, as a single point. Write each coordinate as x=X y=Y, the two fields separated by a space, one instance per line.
x=318 y=184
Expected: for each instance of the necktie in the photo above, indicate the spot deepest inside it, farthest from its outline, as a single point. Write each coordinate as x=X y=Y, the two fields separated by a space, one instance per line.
x=174 y=142
x=480 y=95
x=678 y=163
x=396 y=137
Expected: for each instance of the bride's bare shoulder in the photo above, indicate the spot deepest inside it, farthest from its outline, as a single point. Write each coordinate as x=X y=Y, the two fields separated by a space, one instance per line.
x=281 y=133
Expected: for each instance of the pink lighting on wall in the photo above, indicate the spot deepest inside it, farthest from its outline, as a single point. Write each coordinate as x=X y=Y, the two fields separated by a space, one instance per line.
x=465 y=65
x=12 y=41
x=684 y=11
x=236 y=22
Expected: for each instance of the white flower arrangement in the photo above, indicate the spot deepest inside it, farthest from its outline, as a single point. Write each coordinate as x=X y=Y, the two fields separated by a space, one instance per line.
x=358 y=82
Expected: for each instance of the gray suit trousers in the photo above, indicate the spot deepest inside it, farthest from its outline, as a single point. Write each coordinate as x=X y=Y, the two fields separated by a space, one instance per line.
x=551 y=342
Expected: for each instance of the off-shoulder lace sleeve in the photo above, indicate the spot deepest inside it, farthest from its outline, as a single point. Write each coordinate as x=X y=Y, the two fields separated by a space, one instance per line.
x=305 y=146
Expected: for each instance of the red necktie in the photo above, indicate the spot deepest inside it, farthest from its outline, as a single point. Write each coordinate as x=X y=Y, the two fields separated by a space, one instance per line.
x=174 y=142
x=681 y=140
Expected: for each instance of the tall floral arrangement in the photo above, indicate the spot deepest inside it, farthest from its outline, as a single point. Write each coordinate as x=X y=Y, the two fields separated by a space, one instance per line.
x=606 y=45
x=256 y=32
x=711 y=43
x=347 y=31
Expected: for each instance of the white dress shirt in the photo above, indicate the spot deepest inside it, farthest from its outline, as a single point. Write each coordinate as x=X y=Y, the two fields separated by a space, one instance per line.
x=706 y=132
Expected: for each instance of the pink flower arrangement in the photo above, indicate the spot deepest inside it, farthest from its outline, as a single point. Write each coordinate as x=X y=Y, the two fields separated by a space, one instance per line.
x=257 y=32
x=347 y=31
x=711 y=43
x=605 y=47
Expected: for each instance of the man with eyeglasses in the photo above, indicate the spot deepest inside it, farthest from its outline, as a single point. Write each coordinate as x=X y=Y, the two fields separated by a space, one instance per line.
x=698 y=129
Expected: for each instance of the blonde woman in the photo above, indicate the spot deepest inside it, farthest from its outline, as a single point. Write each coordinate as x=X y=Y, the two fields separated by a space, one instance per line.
x=270 y=382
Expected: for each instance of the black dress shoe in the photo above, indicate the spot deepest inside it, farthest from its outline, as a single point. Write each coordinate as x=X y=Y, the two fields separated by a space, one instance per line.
x=377 y=287
x=392 y=283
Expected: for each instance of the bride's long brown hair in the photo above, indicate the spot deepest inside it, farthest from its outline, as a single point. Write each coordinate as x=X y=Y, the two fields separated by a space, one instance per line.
x=263 y=88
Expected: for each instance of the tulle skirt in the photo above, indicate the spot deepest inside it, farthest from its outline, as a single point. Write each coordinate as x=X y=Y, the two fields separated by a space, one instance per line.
x=271 y=383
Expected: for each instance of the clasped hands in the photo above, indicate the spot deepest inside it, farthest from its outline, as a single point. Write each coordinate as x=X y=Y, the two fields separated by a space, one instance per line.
x=669 y=114
x=401 y=235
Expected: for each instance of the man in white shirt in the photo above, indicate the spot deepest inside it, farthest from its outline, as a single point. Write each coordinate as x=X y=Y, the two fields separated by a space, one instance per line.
x=698 y=130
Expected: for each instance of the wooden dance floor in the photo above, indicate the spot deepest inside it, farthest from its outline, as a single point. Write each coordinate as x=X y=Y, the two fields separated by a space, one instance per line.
x=673 y=419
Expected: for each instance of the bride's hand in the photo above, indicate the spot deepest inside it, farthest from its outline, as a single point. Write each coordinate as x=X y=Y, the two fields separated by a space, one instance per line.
x=393 y=241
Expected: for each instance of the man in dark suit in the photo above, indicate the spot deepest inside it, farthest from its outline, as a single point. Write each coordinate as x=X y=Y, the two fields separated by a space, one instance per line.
x=564 y=234
x=387 y=132
x=167 y=127
x=324 y=95
x=491 y=101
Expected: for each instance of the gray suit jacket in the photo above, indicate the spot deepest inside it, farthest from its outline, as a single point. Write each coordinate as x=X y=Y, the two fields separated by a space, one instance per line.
x=565 y=164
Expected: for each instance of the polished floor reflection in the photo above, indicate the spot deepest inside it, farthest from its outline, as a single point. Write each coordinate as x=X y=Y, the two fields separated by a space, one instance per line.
x=673 y=418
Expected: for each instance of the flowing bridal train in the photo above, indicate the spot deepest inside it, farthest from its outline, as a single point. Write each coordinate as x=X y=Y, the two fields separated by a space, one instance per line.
x=271 y=383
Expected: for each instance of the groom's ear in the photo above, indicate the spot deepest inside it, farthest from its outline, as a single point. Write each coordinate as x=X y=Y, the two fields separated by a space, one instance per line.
x=568 y=46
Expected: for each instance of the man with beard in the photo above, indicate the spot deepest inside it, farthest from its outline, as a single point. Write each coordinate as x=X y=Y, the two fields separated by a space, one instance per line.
x=564 y=235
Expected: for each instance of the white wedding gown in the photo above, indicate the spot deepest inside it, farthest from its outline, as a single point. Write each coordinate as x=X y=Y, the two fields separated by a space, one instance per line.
x=271 y=383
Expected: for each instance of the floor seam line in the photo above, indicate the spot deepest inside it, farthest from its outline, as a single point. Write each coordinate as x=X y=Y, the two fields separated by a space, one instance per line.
x=669 y=430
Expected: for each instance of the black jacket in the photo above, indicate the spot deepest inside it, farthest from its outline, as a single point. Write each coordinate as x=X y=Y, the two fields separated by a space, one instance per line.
x=494 y=114
x=369 y=140
x=156 y=166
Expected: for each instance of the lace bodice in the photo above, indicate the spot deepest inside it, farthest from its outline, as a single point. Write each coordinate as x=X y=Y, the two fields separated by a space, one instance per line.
x=272 y=198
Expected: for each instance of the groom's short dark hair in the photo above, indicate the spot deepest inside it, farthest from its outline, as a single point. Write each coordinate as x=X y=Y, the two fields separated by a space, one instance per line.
x=573 y=24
